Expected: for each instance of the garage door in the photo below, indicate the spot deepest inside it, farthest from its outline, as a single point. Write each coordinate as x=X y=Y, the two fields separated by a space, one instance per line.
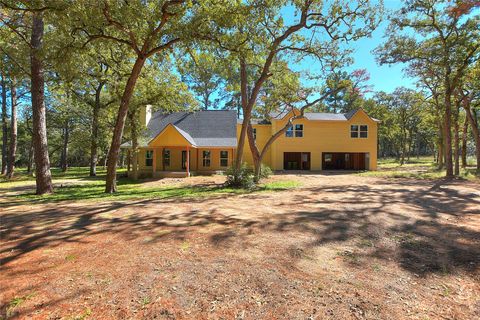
x=343 y=161
x=296 y=160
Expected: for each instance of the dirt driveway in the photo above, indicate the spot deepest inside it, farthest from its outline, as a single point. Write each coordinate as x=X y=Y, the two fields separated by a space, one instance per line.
x=338 y=247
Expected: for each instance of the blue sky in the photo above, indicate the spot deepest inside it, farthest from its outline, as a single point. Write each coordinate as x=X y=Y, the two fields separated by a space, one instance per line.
x=382 y=78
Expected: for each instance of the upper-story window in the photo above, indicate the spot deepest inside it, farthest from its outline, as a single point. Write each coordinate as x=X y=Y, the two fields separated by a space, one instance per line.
x=294 y=131
x=149 y=158
x=255 y=133
x=359 y=131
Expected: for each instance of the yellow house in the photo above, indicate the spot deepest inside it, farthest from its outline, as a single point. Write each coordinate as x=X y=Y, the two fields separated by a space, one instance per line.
x=205 y=142
x=318 y=141
x=185 y=143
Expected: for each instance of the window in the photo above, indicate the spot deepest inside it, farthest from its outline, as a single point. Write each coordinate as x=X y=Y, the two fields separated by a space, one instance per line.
x=299 y=130
x=289 y=132
x=359 y=131
x=223 y=158
x=294 y=131
x=166 y=158
x=206 y=158
x=149 y=158
x=363 y=131
x=254 y=133
x=354 y=131
x=328 y=157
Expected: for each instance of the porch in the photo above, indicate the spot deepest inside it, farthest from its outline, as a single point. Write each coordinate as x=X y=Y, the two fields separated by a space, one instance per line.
x=181 y=161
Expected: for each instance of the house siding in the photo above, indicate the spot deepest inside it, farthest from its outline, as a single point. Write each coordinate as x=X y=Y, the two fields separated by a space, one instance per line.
x=319 y=136
x=176 y=159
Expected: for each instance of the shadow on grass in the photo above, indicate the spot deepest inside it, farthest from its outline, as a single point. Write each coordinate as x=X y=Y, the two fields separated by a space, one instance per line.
x=129 y=189
x=417 y=219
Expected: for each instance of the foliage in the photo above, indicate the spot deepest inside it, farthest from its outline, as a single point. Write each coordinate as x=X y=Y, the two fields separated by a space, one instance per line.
x=240 y=177
x=265 y=171
x=77 y=185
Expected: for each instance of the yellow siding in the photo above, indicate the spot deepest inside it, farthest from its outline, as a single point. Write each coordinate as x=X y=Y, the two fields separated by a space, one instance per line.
x=169 y=137
x=176 y=159
x=263 y=134
x=318 y=137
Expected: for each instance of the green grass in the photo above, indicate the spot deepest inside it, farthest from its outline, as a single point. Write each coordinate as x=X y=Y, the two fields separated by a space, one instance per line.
x=17 y=301
x=22 y=178
x=415 y=168
x=281 y=185
x=76 y=185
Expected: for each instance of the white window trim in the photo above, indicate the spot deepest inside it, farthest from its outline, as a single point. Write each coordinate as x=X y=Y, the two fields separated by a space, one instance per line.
x=358 y=131
x=294 y=131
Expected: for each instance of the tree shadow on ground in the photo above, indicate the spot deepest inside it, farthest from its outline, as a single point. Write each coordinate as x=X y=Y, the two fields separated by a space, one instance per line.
x=417 y=216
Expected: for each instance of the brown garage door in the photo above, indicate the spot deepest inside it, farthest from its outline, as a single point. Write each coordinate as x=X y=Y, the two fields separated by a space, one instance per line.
x=296 y=160
x=343 y=161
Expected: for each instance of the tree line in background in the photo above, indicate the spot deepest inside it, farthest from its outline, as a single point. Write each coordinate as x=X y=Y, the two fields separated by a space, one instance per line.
x=74 y=74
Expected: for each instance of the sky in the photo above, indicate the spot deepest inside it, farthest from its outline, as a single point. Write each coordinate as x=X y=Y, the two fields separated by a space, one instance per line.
x=382 y=78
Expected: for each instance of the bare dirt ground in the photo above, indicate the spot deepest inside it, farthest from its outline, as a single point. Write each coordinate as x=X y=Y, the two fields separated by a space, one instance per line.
x=339 y=247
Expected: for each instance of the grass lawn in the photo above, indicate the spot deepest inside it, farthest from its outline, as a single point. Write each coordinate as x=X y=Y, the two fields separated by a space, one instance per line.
x=76 y=185
x=417 y=168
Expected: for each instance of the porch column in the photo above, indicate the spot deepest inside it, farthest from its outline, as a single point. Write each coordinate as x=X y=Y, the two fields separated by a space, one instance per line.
x=188 y=162
x=154 y=164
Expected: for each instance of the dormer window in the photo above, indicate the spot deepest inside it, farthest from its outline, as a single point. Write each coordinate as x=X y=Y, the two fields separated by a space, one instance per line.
x=358 y=131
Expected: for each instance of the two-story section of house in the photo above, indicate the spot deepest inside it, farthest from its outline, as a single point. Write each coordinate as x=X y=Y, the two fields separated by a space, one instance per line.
x=318 y=141
x=205 y=142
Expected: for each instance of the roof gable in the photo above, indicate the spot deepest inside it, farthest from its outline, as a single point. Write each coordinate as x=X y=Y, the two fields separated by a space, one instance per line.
x=205 y=128
x=172 y=136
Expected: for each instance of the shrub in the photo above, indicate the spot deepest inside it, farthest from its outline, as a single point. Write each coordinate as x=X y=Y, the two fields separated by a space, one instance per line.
x=240 y=178
x=265 y=171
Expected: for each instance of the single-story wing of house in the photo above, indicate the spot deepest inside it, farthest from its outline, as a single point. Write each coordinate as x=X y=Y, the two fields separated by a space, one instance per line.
x=205 y=142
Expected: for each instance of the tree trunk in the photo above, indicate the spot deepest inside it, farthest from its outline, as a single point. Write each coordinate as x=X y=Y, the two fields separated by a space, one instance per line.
x=476 y=134
x=13 y=131
x=456 y=146
x=129 y=160
x=105 y=159
x=134 y=136
x=42 y=162
x=464 y=142
x=257 y=159
x=4 y=127
x=111 y=181
x=66 y=136
x=30 y=157
x=441 y=148
x=122 y=158
x=448 y=131
x=246 y=114
x=94 y=137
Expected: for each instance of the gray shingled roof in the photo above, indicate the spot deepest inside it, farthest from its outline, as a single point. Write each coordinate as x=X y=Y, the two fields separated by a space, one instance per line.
x=207 y=128
x=322 y=115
